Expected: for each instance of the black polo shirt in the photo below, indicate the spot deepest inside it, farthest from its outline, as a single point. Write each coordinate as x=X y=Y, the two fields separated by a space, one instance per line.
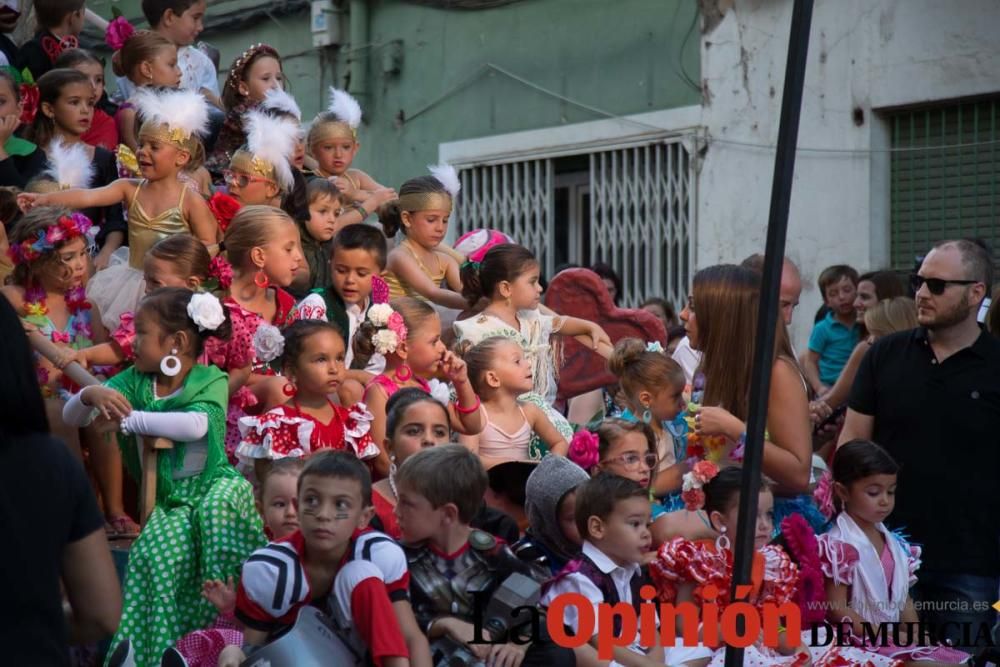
x=941 y=422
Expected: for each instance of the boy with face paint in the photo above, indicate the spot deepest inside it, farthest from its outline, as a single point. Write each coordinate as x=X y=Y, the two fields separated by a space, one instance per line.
x=356 y=575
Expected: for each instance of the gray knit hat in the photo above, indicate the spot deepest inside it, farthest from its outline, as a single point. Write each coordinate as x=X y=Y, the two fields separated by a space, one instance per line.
x=547 y=485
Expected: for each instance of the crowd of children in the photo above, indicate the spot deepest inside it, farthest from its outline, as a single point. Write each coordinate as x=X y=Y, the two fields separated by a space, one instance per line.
x=212 y=263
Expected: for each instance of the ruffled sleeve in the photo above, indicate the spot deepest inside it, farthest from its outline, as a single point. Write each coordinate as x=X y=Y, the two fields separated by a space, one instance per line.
x=838 y=559
x=313 y=307
x=681 y=560
x=274 y=435
x=124 y=335
x=357 y=431
x=780 y=576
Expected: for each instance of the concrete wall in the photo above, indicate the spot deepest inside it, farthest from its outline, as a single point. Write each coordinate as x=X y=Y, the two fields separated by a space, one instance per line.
x=863 y=55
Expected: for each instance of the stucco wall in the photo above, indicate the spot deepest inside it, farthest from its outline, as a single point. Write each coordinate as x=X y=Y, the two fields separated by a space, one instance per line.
x=864 y=55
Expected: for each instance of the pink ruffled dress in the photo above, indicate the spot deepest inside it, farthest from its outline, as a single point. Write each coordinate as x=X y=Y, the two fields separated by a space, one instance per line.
x=774 y=579
x=287 y=431
x=878 y=583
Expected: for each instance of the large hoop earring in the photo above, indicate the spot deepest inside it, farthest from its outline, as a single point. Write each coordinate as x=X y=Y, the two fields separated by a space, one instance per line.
x=289 y=389
x=405 y=375
x=170 y=365
x=722 y=542
x=261 y=280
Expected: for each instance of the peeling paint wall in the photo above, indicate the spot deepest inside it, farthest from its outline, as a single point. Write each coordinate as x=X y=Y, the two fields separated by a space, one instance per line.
x=864 y=55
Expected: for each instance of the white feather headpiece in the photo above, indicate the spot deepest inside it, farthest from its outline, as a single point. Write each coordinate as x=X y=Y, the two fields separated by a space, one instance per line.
x=69 y=165
x=278 y=100
x=273 y=140
x=448 y=176
x=345 y=107
x=183 y=112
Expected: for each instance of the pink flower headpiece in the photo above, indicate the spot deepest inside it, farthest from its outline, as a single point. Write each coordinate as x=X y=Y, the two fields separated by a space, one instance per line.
x=823 y=494
x=584 y=449
x=118 y=32
x=66 y=228
x=701 y=474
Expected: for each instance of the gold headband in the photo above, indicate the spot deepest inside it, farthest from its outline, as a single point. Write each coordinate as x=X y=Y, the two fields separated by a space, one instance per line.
x=174 y=136
x=324 y=130
x=245 y=161
x=425 y=201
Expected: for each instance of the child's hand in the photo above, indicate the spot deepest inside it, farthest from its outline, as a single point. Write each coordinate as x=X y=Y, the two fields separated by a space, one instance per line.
x=384 y=196
x=29 y=328
x=506 y=655
x=109 y=402
x=346 y=187
x=717 y=421
x=231 y=656
x=464 y=633
x=102 y=425
x=29 y=200
x=221 y=595
x=68 y=355
x=598 y=335
x=454 y=368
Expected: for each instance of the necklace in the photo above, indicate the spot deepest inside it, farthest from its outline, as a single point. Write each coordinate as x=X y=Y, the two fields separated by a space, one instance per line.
x=76 y=302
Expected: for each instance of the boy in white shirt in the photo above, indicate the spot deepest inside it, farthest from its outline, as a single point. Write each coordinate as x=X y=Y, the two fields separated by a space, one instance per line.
x=612 y=516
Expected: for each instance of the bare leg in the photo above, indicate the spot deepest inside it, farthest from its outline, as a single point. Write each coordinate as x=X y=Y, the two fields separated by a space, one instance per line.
x=106 y=462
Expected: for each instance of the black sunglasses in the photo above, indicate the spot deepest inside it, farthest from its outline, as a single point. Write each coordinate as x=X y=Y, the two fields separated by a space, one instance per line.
x=936 y=286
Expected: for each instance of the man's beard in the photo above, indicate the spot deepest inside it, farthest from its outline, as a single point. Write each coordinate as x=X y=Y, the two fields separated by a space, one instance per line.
x=957 y=315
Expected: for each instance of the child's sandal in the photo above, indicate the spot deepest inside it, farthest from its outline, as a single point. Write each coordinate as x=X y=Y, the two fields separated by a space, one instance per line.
x=122 y=525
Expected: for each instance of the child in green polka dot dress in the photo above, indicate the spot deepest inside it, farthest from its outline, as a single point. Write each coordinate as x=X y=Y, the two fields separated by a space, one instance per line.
x=204 y=524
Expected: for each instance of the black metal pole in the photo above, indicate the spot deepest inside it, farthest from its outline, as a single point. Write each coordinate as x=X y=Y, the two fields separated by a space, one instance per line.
x=767 y=314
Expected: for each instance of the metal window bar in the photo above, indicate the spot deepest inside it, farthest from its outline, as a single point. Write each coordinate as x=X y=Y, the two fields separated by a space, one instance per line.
x=941 y=191
x=641 y=218
x=642 y=207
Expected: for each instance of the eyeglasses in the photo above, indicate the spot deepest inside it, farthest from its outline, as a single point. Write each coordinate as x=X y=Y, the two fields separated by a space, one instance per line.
x=632 y=460
x=242 y=180
x=936 y=286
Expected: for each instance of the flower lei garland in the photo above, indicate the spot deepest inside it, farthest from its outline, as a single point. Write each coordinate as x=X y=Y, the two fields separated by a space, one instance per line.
x=66 y=228
x=701 y=474
x=391 y=328
x=76 y=302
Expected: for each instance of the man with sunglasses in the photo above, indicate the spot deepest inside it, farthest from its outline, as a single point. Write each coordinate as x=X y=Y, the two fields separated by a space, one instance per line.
x=931 y=397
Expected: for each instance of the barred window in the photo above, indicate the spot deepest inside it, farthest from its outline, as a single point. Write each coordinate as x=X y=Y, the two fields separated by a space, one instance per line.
x=944 y=167
x=630 y=207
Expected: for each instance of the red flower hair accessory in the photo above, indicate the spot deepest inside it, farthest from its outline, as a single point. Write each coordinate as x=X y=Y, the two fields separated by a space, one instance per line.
x=701 y=474
x=224 y=208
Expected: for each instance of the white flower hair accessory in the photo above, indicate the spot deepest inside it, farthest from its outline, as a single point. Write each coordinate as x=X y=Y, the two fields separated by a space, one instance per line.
x=268 y=343
x=385 y=341
x=379 y=314
x=206 y=311
x=654 y=346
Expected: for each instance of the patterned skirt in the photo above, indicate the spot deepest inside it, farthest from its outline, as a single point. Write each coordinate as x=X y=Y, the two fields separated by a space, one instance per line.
x=182 y=546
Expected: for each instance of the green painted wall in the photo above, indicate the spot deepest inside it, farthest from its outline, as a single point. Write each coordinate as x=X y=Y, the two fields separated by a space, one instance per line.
x=621 y=56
